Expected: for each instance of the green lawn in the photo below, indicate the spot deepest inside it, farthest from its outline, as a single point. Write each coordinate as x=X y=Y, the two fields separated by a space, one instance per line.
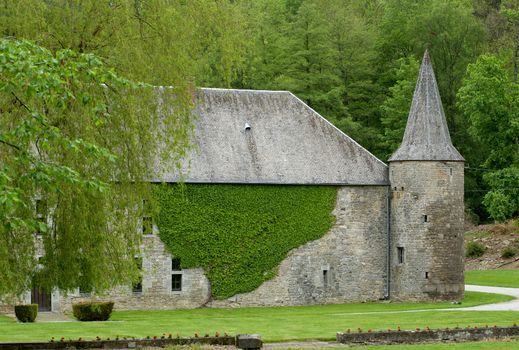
x=274 y=324
x=498 y=278
x=483 y=345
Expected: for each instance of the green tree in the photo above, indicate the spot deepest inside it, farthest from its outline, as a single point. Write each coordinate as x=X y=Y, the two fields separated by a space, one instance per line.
x=490 y=100
x=161 y=42
x=453 y=36
x=309 y=61
x=77 y=145
x=395 y=108
x=511 y=13
x=266 y=24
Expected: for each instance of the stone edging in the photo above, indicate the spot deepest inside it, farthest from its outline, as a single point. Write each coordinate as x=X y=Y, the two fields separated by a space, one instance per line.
x=243 y=341
x=427 y=336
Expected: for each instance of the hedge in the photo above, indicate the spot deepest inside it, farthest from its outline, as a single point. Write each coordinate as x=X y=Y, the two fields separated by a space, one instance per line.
x=26 y=312
x=240 y=234
x=93 y=310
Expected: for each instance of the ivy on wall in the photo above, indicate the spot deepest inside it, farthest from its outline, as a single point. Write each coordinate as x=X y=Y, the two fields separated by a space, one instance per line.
x=240 y=234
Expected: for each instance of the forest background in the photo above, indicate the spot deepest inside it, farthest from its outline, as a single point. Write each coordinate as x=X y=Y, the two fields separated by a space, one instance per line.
x=354 y=62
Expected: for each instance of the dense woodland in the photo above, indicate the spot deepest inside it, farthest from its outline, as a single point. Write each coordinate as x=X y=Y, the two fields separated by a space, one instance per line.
x=353 y=61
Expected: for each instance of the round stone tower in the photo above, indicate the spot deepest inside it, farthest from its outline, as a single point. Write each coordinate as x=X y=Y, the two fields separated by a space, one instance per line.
x=426 y=177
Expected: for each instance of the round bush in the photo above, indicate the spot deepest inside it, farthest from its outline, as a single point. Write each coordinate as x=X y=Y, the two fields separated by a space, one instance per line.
x=26 y=312
x=475 y=249
x=93 y=310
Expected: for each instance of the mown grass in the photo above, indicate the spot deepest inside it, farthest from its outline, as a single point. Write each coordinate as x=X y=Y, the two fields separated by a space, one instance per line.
x=498 y=278
x=482 y=345
x=274 y=324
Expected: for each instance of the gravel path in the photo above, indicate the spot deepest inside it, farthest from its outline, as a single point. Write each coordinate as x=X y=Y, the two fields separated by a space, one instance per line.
x=506 y=306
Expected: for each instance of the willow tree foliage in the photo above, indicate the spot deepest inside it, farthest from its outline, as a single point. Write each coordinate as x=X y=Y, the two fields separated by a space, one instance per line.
x=161 y=42
x=77 y=145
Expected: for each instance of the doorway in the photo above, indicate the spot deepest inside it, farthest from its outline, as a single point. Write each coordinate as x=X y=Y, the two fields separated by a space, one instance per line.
x=42 y=298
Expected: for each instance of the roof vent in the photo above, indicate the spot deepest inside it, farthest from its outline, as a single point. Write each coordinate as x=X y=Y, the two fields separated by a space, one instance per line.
x=246 y=127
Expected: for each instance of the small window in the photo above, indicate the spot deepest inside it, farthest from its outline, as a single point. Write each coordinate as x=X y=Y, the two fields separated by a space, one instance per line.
x=400 y=255
x=402 y=188
x=176 y=282
x=426 y=275
x=450 y=171
x=147 y=225
x=424 y=218
x=325 y=277
x=137 y=285
x=175 y=264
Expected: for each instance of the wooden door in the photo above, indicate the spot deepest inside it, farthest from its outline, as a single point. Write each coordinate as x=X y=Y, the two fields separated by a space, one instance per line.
x=42 y=298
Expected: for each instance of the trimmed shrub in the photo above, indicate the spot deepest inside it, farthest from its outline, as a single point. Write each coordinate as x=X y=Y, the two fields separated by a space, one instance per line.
x=508 y=252
x=26 y=312
x=93 y=310
x=474 y=249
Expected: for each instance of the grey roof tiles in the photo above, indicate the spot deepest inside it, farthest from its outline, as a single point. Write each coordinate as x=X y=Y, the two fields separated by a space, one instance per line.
x=271 y=137
x=426 y=135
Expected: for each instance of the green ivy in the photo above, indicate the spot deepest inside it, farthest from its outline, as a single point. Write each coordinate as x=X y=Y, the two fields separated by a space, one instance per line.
x=240 y=234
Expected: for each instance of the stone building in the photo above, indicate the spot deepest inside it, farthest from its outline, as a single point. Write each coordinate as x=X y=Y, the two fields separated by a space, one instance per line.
x=398 y=228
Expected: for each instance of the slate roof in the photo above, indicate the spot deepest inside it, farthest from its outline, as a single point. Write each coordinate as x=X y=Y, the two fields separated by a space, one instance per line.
x=272 y=137
x=426 y=135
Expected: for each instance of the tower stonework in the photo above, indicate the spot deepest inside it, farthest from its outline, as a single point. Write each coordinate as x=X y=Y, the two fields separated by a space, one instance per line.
x=427 y=212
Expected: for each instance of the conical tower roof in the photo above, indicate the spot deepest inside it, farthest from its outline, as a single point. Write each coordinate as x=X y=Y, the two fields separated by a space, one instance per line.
x=426 y=135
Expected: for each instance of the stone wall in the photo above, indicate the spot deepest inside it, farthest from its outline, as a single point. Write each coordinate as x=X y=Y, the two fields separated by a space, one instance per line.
x=427 y=217
x=161 y=342
x=156 y=284
x=428 y=336
x=348 y=264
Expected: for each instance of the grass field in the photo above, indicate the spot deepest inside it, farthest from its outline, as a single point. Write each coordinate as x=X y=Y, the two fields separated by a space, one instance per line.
x=274 y=324
x=498 y=278
x=483 y=345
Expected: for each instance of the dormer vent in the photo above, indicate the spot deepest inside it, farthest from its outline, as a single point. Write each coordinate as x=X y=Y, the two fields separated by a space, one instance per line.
x=247 y=127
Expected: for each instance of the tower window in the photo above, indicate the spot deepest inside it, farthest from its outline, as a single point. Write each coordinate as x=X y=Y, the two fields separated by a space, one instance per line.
x=325 y=277
x=426 y=275
x=400 y=251
x=424 y=218
x=450 y=171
